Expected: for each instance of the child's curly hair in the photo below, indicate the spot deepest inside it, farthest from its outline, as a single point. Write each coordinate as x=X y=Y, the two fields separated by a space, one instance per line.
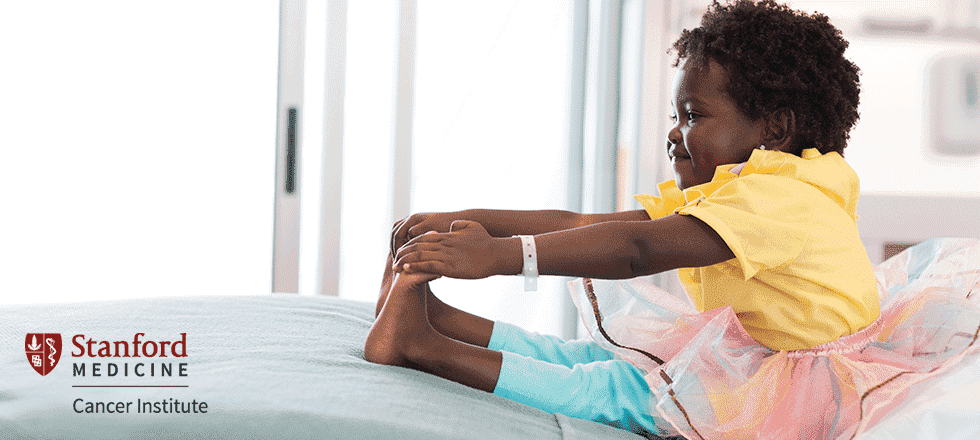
x=779 y=58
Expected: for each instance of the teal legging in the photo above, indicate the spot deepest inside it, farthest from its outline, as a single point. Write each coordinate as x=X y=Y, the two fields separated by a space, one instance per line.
x=576 y=378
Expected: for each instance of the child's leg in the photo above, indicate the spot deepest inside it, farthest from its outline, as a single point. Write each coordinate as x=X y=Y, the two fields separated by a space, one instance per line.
x=448 y=320
x=403 y=336
x=612 y=392
x=514 y=339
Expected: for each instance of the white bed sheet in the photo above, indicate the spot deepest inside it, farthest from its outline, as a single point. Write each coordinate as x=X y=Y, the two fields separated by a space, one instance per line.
x=269 y=367
x=285 y=366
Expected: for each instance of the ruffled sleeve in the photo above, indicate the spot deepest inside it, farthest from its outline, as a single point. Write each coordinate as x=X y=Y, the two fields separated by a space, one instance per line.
x=670 y=199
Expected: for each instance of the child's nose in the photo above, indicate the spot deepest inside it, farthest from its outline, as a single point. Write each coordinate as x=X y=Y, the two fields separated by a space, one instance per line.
x=674 y=136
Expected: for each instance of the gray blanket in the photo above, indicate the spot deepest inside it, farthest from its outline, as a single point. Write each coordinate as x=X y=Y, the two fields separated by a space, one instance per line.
x=269 y=367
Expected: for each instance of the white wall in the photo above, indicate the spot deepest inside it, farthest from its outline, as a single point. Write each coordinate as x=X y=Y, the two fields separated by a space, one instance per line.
x=891 y=146
x=909 y=192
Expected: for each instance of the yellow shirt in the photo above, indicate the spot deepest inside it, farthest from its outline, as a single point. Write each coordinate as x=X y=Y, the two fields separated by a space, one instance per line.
x=801 y=276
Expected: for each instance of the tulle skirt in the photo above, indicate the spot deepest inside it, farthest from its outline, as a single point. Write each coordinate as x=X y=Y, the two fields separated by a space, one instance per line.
x=711 y=380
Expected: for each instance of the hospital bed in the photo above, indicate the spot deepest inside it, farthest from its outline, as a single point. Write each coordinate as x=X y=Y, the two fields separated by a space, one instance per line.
x=267 y=367
x=288 y=366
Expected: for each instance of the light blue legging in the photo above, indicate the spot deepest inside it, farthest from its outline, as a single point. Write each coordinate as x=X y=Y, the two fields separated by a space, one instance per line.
x=576 y=378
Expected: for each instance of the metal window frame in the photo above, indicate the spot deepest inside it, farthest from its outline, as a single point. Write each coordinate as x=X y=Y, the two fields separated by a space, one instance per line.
x=285 y=241
x=331 y=174
x=404 y=111
x=601 y=111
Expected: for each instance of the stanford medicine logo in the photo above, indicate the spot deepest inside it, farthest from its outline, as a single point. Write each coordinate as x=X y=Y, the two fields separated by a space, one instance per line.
x=43 y=351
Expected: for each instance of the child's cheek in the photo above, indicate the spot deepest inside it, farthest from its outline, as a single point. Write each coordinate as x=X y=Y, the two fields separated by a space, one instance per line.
x=701 y=153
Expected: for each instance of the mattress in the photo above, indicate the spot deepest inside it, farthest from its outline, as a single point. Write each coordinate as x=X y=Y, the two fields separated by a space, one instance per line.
x=248 y=367
x=292 y=367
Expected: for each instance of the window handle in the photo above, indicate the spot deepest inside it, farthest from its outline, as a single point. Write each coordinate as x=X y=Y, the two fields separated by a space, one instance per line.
x=291 y=151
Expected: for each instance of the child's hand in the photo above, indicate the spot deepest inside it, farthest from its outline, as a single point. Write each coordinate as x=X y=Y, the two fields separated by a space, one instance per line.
x=466 y=251
x=418 y=224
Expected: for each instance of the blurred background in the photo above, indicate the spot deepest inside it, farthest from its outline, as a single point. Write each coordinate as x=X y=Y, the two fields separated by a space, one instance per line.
x=144 y=146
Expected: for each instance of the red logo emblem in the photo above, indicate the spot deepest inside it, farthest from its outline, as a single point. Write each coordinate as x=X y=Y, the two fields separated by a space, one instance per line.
x=43 y=351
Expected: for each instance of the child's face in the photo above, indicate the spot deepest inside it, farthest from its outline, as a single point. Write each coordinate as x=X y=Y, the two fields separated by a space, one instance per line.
x=709 y=130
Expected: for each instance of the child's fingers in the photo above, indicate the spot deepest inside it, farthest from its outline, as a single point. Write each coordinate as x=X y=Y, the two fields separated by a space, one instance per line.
x=425 y=225
x=400 y=234
x=428 y=237
x=418 y=229
x=407 y=228
x=416 y=256
x=436 y=268
x=396 y=236
x=459 y=225
x=416 y=247
x=469 y=227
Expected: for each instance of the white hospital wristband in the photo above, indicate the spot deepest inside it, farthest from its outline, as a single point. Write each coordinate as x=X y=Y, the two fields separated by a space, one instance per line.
x=530 y=254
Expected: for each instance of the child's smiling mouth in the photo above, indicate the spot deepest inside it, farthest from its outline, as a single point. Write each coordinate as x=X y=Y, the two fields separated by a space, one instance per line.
x=674 y=154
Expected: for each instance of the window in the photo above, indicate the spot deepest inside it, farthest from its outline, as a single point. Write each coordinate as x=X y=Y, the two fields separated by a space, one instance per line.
x=137 y=154
x=491 y=116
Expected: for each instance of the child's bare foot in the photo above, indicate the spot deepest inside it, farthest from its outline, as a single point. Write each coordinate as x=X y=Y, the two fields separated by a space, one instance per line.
x=435 y=307
x=444 y=318
x=403 y=336
x=386 y=280
x=402 y=328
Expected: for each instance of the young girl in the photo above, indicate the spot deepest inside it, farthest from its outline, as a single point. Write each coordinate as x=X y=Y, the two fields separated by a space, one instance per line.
x=789 y=335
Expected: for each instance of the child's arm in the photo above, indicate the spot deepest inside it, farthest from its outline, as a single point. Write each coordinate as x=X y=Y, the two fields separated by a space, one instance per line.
x=504 y=223
x=608 y=250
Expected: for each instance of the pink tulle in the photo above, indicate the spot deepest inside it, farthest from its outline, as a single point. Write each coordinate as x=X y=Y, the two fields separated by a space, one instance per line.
x=719 y=383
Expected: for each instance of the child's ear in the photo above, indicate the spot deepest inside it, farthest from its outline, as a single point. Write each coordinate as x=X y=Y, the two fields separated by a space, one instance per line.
x=780 y=129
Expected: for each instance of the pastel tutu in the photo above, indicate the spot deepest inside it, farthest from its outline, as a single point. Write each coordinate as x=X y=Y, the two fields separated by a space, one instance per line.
x=711 y=380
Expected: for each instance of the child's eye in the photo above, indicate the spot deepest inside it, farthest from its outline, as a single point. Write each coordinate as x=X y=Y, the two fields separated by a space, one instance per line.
x=691 y=117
